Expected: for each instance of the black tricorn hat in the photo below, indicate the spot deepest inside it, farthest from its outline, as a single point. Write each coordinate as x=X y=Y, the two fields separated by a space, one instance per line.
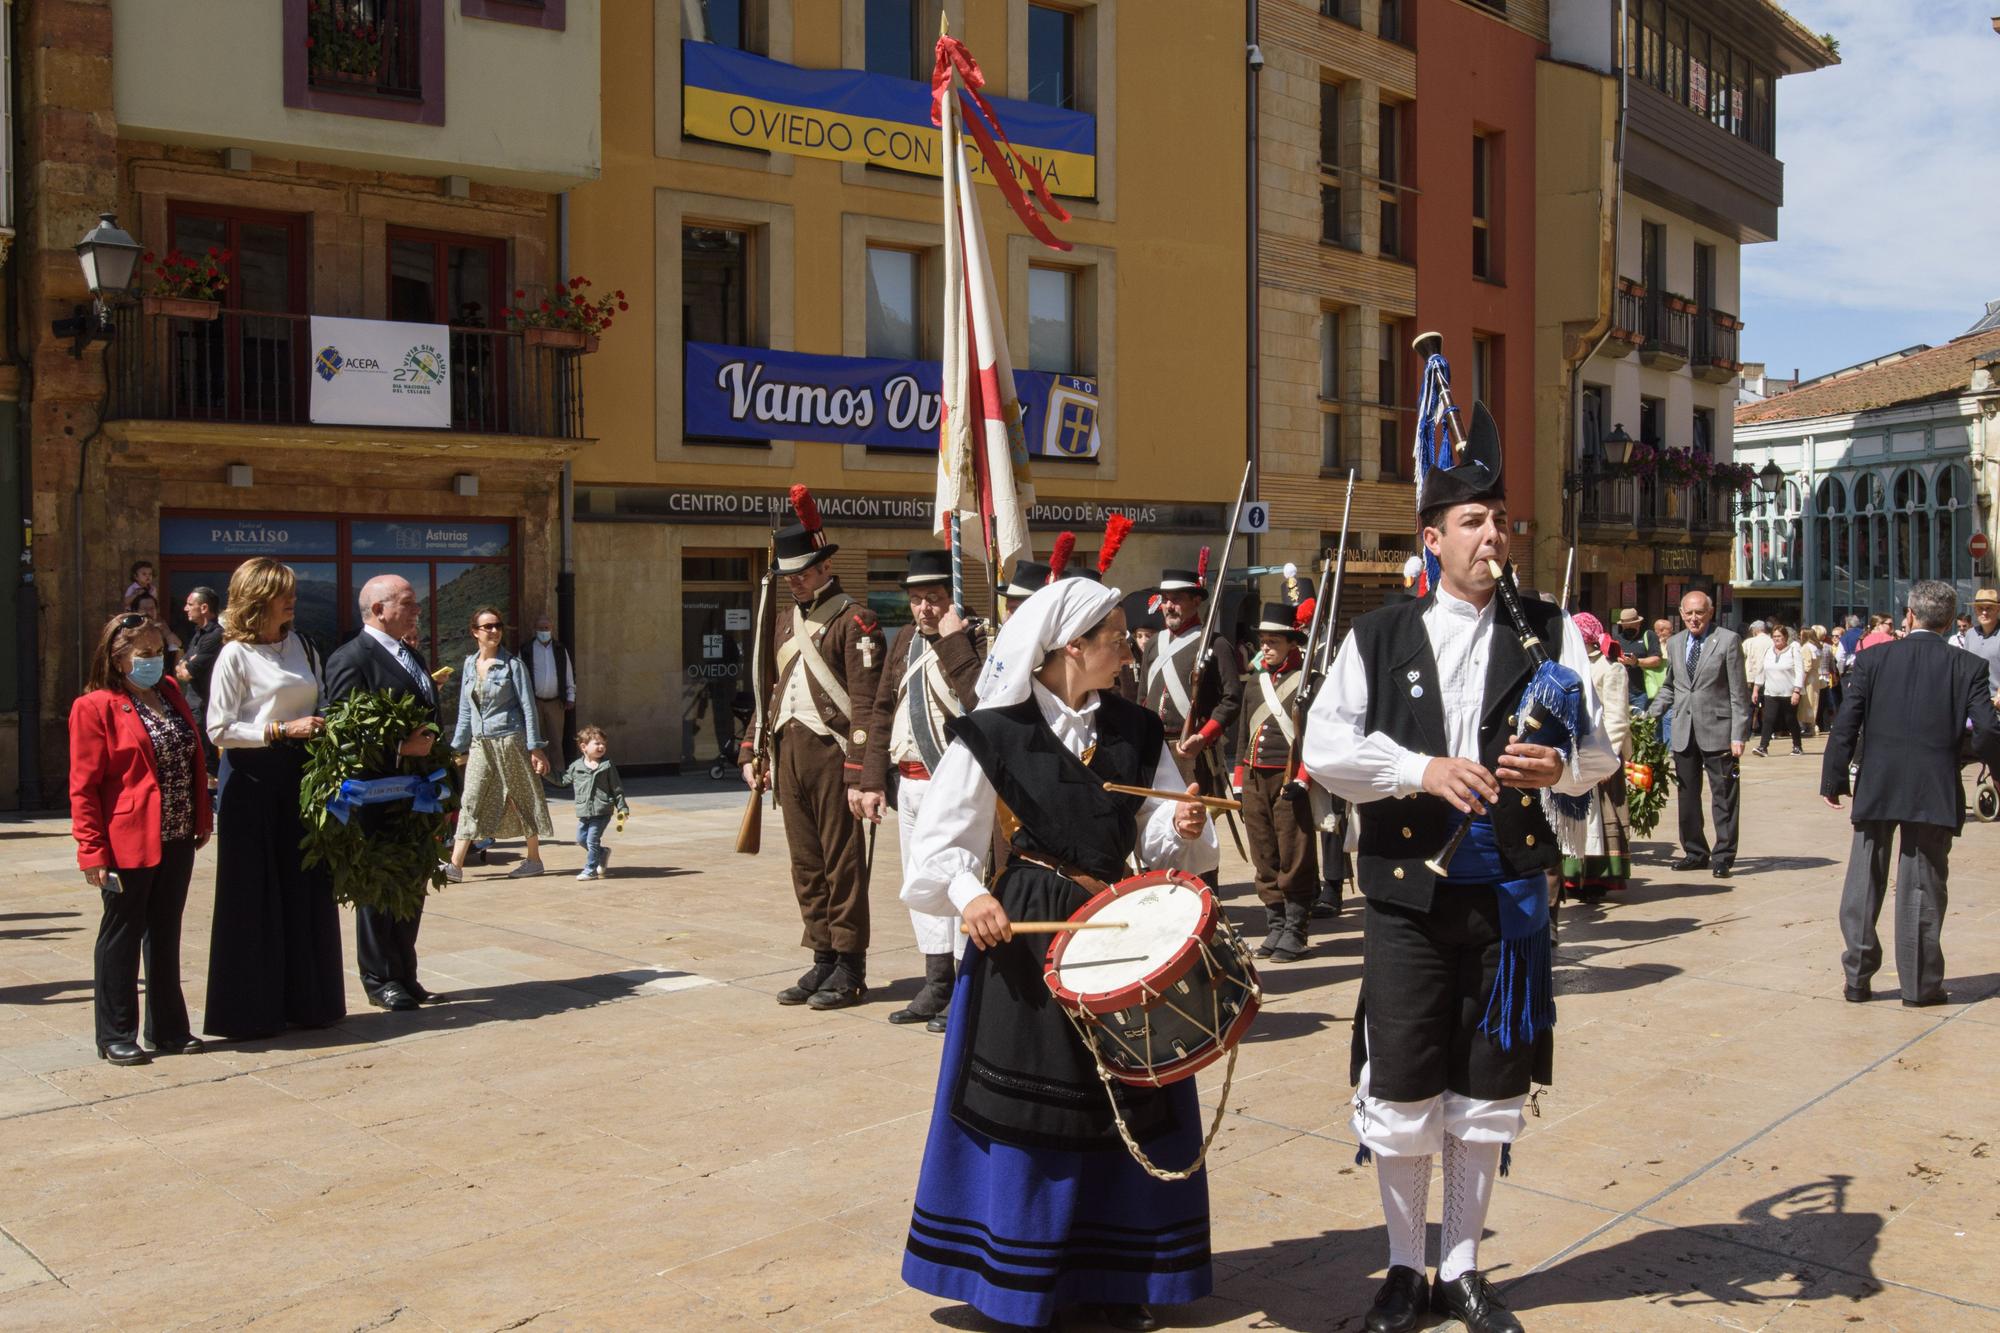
x=1283 y=618
x=1181 y=580
x=928 y=566
x=1028 y=577
x=1475 y=476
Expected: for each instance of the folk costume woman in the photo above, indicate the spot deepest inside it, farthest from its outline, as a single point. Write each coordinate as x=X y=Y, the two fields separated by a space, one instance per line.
x=1028 y=1199
x=1604 y=862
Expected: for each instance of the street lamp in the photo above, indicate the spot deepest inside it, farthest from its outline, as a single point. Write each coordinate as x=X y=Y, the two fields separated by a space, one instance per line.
x=109 y=257
x=1617 y=446
x=1613 y=450
x=1770 y=477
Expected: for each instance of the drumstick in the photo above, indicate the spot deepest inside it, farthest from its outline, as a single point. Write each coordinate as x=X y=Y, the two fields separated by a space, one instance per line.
x=1053 y=927
x=1212 y=802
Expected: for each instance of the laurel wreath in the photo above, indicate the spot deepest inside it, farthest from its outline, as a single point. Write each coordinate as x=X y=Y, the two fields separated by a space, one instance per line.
x=1643 y=806
x=384 y=856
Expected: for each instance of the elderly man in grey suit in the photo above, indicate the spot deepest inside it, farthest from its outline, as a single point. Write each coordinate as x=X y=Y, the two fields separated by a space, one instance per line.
x=1709 y=701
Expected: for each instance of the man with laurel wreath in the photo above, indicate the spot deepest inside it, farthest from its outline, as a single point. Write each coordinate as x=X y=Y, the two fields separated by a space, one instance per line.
x=1028 y=1201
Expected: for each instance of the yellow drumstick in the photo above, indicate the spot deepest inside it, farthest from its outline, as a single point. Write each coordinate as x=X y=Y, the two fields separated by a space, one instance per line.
x=1212 y=802
x=1054 y=927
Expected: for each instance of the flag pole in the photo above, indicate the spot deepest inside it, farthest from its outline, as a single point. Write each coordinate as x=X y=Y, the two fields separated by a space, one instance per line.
x=957 y=564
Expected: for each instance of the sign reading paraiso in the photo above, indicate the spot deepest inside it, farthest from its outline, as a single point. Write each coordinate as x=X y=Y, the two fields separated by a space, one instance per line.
x=849 y=115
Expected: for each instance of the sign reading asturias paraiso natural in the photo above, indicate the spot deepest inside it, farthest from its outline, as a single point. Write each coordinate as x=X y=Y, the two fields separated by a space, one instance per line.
x=847 y=115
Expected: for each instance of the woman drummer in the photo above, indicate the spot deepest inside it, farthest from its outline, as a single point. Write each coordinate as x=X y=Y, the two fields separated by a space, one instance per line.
x=1028 y=1200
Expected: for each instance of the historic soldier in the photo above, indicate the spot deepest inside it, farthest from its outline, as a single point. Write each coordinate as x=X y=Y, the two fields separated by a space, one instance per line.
x=1457 y=1008
x=1167 y=684
x=1028 y=576
x=1276 y=814
x=828 y=654
x=929 y=679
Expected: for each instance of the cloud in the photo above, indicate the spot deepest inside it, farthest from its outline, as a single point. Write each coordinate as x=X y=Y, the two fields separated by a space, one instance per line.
x=1890 y=192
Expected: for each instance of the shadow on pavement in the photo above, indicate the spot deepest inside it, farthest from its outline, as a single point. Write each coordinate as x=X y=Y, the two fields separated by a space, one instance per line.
x=1798 y=1245
x=47 y=992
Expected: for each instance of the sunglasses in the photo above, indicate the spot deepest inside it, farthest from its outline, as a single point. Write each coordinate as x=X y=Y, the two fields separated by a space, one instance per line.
x=133 y=620
x=494 y=626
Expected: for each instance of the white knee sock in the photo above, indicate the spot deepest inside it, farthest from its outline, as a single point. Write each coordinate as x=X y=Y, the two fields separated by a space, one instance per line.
x=1469 y=1172
x=1406 y=1195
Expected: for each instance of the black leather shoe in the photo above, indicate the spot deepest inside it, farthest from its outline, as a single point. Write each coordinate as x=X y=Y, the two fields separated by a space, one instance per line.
x=123 y=1053
x=811 y=979
x=394 y=997
x=938 y=1024
x=1720 y=870
x=1941 y=997
x=1470 y=1299
x=1137 y=1318
x=845 y=987
x=1857 y=994
x=179 y=1046
x=1401 y=1303
x=1691 y=863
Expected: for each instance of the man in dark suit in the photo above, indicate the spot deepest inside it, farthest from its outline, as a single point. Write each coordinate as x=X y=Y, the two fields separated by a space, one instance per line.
x=1917 y=693
x=1708 y=700
x=385 y=949
x=197 y=664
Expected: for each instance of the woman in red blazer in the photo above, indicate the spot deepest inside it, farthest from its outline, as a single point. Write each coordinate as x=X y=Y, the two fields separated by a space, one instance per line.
x=138 y=796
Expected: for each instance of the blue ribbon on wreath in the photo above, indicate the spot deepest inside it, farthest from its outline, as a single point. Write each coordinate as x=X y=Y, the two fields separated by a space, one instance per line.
x=426 y=794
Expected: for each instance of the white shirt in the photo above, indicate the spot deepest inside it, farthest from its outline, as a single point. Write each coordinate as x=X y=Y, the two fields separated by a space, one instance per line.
x=1367 y=765
x=953 y=839
x=930 y=682
x=256 y=684
x=543 y=662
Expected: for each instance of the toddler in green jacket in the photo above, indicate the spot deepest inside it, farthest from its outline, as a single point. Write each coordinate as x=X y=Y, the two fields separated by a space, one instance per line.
x=598 y=793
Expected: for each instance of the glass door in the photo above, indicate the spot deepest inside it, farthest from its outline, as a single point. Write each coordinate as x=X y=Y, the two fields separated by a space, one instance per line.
x=718 y=602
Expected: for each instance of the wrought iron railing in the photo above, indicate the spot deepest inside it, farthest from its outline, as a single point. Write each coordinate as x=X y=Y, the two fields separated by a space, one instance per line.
x=1666 y=326
x=1643 y=504
x=1631 y=311
x=366 y=46
x=253 y=367
x=1715 y=338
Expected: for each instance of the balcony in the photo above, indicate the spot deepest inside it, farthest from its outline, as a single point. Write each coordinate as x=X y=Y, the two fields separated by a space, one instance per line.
x=252 y=368
x=1646 y=509
x=1665 y=342
x=372 y=47
x=1628 y=320
x=1715 y=346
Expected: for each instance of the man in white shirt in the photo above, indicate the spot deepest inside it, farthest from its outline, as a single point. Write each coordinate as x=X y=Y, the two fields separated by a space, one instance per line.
x=1457 y=1000
x=553 y=675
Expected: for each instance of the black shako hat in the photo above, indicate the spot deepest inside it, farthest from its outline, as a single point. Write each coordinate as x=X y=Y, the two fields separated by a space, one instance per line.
x=800 y=545
x=1284 y=618
x=1181 y=580
x=1475 y=476
x=928 y=566
x=1028 y=577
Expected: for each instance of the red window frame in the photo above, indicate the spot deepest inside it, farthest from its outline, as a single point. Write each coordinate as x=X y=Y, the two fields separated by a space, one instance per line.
x=297 y=296
x=487 y=337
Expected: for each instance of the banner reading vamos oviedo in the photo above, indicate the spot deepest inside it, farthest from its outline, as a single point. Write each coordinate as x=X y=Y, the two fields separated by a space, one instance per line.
x=755 y=393
x=734 y=97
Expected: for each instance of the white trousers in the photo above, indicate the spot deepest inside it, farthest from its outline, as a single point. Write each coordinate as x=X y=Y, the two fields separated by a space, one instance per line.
x=935 y=934
x=1417 y=1129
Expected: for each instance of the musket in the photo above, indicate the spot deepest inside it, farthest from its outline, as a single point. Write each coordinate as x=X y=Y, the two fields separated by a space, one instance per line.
x=1205 y=649
x=1321 y=633
x=750 y=833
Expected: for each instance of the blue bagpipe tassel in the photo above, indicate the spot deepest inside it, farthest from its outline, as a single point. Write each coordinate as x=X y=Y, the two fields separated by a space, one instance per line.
x=1433 y=440
x=1506 y=1158
x=1362 y=1156
x=1522 y=1004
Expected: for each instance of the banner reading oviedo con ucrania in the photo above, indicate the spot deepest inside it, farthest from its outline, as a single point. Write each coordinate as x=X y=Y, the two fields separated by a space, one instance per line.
x=850 y=115
x=375 y=372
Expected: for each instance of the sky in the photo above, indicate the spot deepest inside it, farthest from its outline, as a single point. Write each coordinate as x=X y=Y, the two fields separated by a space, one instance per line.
x=1887 y=236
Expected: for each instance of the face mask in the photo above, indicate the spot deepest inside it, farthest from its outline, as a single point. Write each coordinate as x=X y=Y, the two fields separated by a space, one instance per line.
x=146 y=671
x=543 y=635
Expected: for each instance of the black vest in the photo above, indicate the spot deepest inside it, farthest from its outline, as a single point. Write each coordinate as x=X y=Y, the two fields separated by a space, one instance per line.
x=1399 y=835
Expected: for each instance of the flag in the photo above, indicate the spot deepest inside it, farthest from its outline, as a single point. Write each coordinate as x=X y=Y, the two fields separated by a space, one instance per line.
x=982 y=450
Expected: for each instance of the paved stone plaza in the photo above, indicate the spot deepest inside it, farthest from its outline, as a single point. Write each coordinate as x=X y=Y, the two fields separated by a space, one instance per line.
x=613 y=1126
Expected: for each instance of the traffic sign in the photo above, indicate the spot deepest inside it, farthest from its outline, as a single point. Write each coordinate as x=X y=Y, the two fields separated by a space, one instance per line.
x=1256 y=517
x=1978 y=546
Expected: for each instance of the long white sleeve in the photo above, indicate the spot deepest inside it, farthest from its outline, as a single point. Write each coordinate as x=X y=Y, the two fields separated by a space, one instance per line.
x=1352 y=763
x=1595 y=759
x=255 y=686
x=1160 y=847
x=953 y=837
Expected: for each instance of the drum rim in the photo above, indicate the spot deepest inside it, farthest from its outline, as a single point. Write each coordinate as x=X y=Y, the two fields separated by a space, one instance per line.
x=1175 y=1070
x=1176 y=967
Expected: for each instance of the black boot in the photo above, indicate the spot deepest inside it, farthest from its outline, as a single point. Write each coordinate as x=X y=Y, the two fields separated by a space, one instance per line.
x=1327 y=905
x=813 y=978
x=935 y=997
x=1276 y=913
x=1292 y=939
x=847 y=985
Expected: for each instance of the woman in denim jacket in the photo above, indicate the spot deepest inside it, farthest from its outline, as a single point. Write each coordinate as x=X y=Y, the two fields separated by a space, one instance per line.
x=502 y=746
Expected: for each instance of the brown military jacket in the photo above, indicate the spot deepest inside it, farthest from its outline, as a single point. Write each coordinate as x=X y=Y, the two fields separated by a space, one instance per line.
x=847 y=638
x=1264 y=743
x=1221 y=688
x=959 y=656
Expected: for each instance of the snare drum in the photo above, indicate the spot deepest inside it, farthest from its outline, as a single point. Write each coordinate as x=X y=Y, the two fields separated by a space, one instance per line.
x=1168 y=993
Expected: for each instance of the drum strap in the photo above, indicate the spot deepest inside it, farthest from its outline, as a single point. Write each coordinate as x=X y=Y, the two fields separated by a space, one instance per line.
x=1089 y=882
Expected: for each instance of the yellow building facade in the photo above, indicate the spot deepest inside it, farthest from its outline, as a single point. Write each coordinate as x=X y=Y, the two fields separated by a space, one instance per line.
x=766 y=211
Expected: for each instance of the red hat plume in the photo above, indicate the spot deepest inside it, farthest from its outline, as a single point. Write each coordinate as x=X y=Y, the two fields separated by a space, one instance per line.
x=807 y=509
x=1115 y=529
x=1059 y=558
x=1201 y=569
x=1303 y=617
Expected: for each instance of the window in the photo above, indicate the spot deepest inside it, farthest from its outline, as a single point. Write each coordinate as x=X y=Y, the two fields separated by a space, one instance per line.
x=1704 y=431
x=892 y=29
x=459 y=281
x=1391 y=139
x=895 y=303
x=1389 y=446
x=1651 y=421
x=1332 y=226
x=715 y=293
x=1674 y=74
x=1652 y=258
x=1388 y=392
x=370 y=47
x=1482 y=207
x=247 y=365
x=1331 y=455
x=1052 y=340
x=1652 y=21
x=1482 y=371
x=1704 y=276
x=1389 y=20
x=1051 y=56
x=724 y=22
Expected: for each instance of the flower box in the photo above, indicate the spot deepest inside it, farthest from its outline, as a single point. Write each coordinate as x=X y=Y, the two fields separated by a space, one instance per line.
x=180 y=307
x=356 y=78
x=1631 y=288
x=566 y=340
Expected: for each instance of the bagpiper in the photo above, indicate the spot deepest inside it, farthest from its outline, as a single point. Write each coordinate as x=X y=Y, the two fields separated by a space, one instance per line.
x=1277 y=816
x=932 y=672
x=828 y=654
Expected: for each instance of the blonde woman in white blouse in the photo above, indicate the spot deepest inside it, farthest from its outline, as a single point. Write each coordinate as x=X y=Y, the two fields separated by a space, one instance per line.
x=1780 y=682
x=274 y=957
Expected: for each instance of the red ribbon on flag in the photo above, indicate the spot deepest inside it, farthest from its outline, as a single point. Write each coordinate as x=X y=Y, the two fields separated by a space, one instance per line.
x=952 y=56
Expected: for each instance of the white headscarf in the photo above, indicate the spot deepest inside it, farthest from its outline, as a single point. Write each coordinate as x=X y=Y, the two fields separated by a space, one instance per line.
x=1054 y=616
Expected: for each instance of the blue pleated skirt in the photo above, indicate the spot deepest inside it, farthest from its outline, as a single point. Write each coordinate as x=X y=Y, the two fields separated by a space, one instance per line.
x=1018 y=1232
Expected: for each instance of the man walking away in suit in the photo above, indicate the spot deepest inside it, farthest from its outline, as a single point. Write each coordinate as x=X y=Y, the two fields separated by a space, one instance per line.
x=1708 y=706
x=197 y=664
x=385 y=949
x=1920 y=691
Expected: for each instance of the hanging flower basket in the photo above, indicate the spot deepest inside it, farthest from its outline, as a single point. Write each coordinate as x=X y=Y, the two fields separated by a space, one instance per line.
x=180 y=307
x=564 y=340
x=571 y=311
